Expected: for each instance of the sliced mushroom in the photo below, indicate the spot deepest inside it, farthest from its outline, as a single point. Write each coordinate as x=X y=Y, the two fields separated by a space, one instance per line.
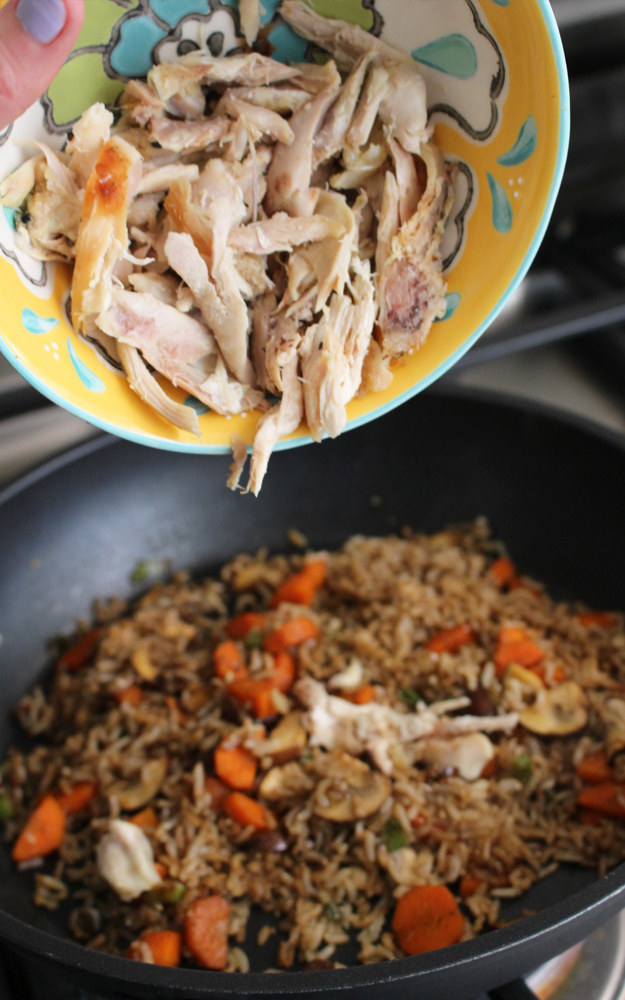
x=135 y=794
x=559 y=711
x=286 y=781
x=286 y=742
x=350 y=791
x=526 y=677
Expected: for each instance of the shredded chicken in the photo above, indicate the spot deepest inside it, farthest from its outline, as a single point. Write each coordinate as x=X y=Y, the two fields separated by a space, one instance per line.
x=248 y=228
x=377 y=729
x=126 y=861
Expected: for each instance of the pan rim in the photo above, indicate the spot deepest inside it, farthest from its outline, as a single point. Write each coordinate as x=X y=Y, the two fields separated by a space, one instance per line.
x=576 y=914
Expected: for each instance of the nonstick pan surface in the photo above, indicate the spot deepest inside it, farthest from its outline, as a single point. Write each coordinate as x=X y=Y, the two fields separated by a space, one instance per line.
x=553 y=489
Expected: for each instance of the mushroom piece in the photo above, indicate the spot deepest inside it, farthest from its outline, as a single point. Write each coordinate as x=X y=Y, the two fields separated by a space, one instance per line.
x=558 y=711
x=286 y=741
x=284 y=782
x=135 y=794
x=350 y=791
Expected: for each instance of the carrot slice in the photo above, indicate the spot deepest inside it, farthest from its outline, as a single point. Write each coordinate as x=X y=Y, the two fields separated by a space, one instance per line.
x=607 y=798
x=514 y=645
x=236 y=766
x=247 y=812
x=43 y=831
x=502 y=571
x=165 y=947
x=361 y=696
x=468 y=885
x=448 y=640
x=283 y=673
x=300 y=588
x=603 y=619
x=594 y=768
x=146 y=819
x=81 y=651
x=241 y=625
x=132 y=695
x=78 y=797
x=257 y=693
x=292 y=633
x=228 y=661
x=425 y=918
x=206 y=931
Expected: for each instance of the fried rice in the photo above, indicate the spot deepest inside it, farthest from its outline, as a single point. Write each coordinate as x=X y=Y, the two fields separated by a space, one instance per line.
x=446 y=723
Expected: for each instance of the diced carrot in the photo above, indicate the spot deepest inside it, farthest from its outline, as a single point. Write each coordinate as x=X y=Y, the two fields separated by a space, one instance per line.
x=146 y=819
x=448 y=640
x=206 y=931
x=594 y=768
x=418 y=821
x=132 y=695
x=588 y=817
x=283 y=673
x=78 y=797
x=257 y=693
x=607 y=798
x=603 y=619
x=247 y=811
x=241 y=625
x=161 y=869
x=292 y=633
x=228 y=661
x=43 y=832
x=361 y=696
x=502 y=571
x=514 y=645
x=425 y=918
x=217 y=791
x=81 y=652
x=236 y=765
x=165 y=947
x=468 y=885
x=300 y=588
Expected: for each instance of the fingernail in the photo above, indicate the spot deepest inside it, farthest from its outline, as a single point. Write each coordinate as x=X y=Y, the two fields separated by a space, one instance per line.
x=42 y=19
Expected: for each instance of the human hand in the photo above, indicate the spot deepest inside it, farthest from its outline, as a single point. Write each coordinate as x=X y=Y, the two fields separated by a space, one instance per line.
x=36 y=36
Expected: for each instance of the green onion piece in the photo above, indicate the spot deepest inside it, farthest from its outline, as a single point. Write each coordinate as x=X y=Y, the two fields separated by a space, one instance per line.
x=170 y=892
x=332 y=912
x=410 y=696
x=253 y=639
x=6 y=808
x=394 y=835
x=148 y=569
x=521 y=768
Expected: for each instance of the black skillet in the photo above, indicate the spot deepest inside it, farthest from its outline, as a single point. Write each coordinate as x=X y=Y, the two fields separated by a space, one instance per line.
x=552 y=487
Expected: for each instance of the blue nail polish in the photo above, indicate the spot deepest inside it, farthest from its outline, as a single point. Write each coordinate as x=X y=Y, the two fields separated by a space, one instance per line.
x=42 y=19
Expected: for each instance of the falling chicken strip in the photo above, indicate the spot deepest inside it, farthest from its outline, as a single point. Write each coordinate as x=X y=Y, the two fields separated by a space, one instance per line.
x=247 y=229
x=411 y=287
x=403 y=108
x=337 y=724
x=103 y=237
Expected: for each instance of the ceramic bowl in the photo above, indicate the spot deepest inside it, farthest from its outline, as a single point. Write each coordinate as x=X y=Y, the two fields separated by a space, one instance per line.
x=497 y=92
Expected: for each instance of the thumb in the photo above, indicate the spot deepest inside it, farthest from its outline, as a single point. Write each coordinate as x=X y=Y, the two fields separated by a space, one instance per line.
x=36 y=36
